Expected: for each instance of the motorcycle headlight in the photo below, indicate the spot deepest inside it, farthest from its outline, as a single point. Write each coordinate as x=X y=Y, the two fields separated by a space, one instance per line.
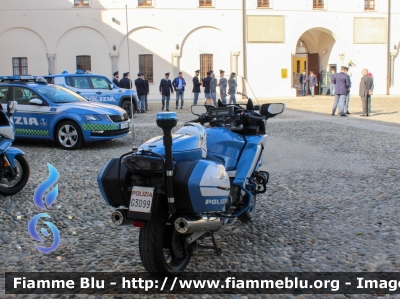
x=140 y=163
x=92 y=117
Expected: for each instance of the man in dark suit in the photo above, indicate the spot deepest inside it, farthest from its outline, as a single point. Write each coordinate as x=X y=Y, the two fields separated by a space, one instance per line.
x=346 y=107
x=165 y=90
x=196 y=87
x=342 y=85
x=366 y=88
x=125 y=82
x=223 y=84
x=303 y=82
x=115 y=80
x=206 y=85
x=141 y=90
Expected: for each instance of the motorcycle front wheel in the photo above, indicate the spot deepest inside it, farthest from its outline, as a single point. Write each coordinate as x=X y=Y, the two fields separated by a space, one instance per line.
x=160 y=245
x=12 y=185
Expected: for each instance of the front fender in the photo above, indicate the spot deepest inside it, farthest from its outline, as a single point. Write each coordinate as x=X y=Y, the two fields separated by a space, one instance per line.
x=11 y=152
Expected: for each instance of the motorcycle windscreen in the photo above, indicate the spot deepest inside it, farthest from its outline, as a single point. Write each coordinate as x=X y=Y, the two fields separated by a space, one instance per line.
x=232 y=87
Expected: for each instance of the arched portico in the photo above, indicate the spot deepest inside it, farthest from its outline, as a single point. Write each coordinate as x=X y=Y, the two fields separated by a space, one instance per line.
x=314 y=51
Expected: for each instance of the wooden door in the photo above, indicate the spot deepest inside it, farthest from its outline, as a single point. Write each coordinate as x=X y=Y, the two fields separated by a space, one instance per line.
x=313 y=65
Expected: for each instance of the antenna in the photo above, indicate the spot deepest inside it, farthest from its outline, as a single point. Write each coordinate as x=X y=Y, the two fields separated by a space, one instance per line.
x=135 y=145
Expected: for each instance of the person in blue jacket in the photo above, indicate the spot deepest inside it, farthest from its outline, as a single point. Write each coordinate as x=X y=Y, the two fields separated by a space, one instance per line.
x=179 y=86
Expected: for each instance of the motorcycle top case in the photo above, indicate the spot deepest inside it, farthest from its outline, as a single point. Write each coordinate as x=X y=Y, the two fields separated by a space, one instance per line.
x=200 y=186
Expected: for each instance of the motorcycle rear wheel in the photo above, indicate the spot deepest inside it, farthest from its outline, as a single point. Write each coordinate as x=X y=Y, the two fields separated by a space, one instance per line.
x=160 y=246
x=18 y=183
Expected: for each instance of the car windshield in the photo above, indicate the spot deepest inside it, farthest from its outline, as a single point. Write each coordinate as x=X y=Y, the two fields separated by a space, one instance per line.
x=58 y=94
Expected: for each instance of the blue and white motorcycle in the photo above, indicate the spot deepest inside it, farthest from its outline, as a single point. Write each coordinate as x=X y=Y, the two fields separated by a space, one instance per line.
x=14 y=169
x=181 y=188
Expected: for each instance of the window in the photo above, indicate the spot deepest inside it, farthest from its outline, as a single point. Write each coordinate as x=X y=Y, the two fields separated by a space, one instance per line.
x=369 y=4
x=81 y=3
x=100 y=83
x=23 y=95
x=83 y=63
x=146 y=66
x=205 y=3
x=263 y=3
x=20 y=66
x=206 y=64
x=78 y=82
x=318 y=3
x=3 y=94
x=145 y=3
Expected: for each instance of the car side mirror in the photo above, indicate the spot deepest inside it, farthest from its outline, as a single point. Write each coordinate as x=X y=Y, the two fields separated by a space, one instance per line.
x=199 y=109
x=11 y=106
x=111 y=86
x=270 y=110
x=35 y=101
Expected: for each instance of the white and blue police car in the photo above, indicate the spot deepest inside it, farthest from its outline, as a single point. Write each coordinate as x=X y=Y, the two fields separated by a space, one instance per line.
x=48 y=111
x=96 y=88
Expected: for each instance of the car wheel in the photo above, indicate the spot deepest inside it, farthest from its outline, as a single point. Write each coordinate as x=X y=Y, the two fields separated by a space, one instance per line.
x=126 y=105
x=69 y=135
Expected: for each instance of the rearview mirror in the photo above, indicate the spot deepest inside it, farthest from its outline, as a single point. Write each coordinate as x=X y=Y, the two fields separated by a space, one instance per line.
x=111 y=86
x=270 y=110
x=199 y=110
x=36 y=102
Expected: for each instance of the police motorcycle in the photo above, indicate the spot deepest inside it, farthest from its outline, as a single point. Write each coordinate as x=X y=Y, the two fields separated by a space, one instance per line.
x=14 y=169
x=181 y=188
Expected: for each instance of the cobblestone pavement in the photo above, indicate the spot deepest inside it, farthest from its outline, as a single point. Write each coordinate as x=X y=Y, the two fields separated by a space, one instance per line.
x=384 y=108
x=331 y=205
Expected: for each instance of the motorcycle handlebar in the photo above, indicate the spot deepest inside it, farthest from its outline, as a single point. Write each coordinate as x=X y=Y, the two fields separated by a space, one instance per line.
x=257 y=118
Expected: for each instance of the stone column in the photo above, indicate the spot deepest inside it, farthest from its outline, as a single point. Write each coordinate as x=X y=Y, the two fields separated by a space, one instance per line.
x=235 y=62
x=51 y=58
x=176 y=57
x=114 y=63
x=341 y=61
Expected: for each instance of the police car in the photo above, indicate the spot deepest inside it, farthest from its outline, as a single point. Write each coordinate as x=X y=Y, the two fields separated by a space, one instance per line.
x=96 y=88
x=48 y=111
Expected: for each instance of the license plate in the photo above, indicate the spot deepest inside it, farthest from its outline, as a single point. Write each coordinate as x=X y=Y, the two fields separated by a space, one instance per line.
x=124 y=125
x=141 y=199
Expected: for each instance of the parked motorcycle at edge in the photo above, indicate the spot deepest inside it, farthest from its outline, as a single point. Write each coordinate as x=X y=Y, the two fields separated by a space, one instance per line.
x=14 y=169
x=182 y=188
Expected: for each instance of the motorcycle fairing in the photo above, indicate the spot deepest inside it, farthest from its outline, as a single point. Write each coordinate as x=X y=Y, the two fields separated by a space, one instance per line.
x=224 y=146
x=184 y=147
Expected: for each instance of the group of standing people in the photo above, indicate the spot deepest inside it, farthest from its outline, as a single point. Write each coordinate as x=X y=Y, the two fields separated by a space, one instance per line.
x=210 y=84
x=341 y=85
x=142 y=89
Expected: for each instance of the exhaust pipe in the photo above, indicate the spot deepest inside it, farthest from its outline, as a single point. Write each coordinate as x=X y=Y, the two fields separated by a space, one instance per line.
x=118 y=218
x=186 y=226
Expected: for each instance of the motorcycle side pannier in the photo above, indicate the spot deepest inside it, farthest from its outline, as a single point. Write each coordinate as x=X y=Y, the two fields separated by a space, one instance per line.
x=200 y=186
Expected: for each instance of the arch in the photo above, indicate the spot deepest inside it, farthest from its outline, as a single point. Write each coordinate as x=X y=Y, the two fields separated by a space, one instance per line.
x=192 y=31
x=310 y=36
x=91 y=42
x=77 y=27
x=23 y=42
x=29 y=29
x=137 y=29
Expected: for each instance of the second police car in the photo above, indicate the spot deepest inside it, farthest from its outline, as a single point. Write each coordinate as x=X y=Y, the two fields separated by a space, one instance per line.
x=47 y=111
x=96 y=88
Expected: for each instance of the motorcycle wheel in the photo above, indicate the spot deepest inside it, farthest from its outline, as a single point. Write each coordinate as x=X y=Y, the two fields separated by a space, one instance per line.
x=12 y=187
x=246 y=216
x=160 y=245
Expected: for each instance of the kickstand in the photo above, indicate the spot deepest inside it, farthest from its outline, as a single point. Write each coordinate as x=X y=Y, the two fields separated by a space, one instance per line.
x=218 y=250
